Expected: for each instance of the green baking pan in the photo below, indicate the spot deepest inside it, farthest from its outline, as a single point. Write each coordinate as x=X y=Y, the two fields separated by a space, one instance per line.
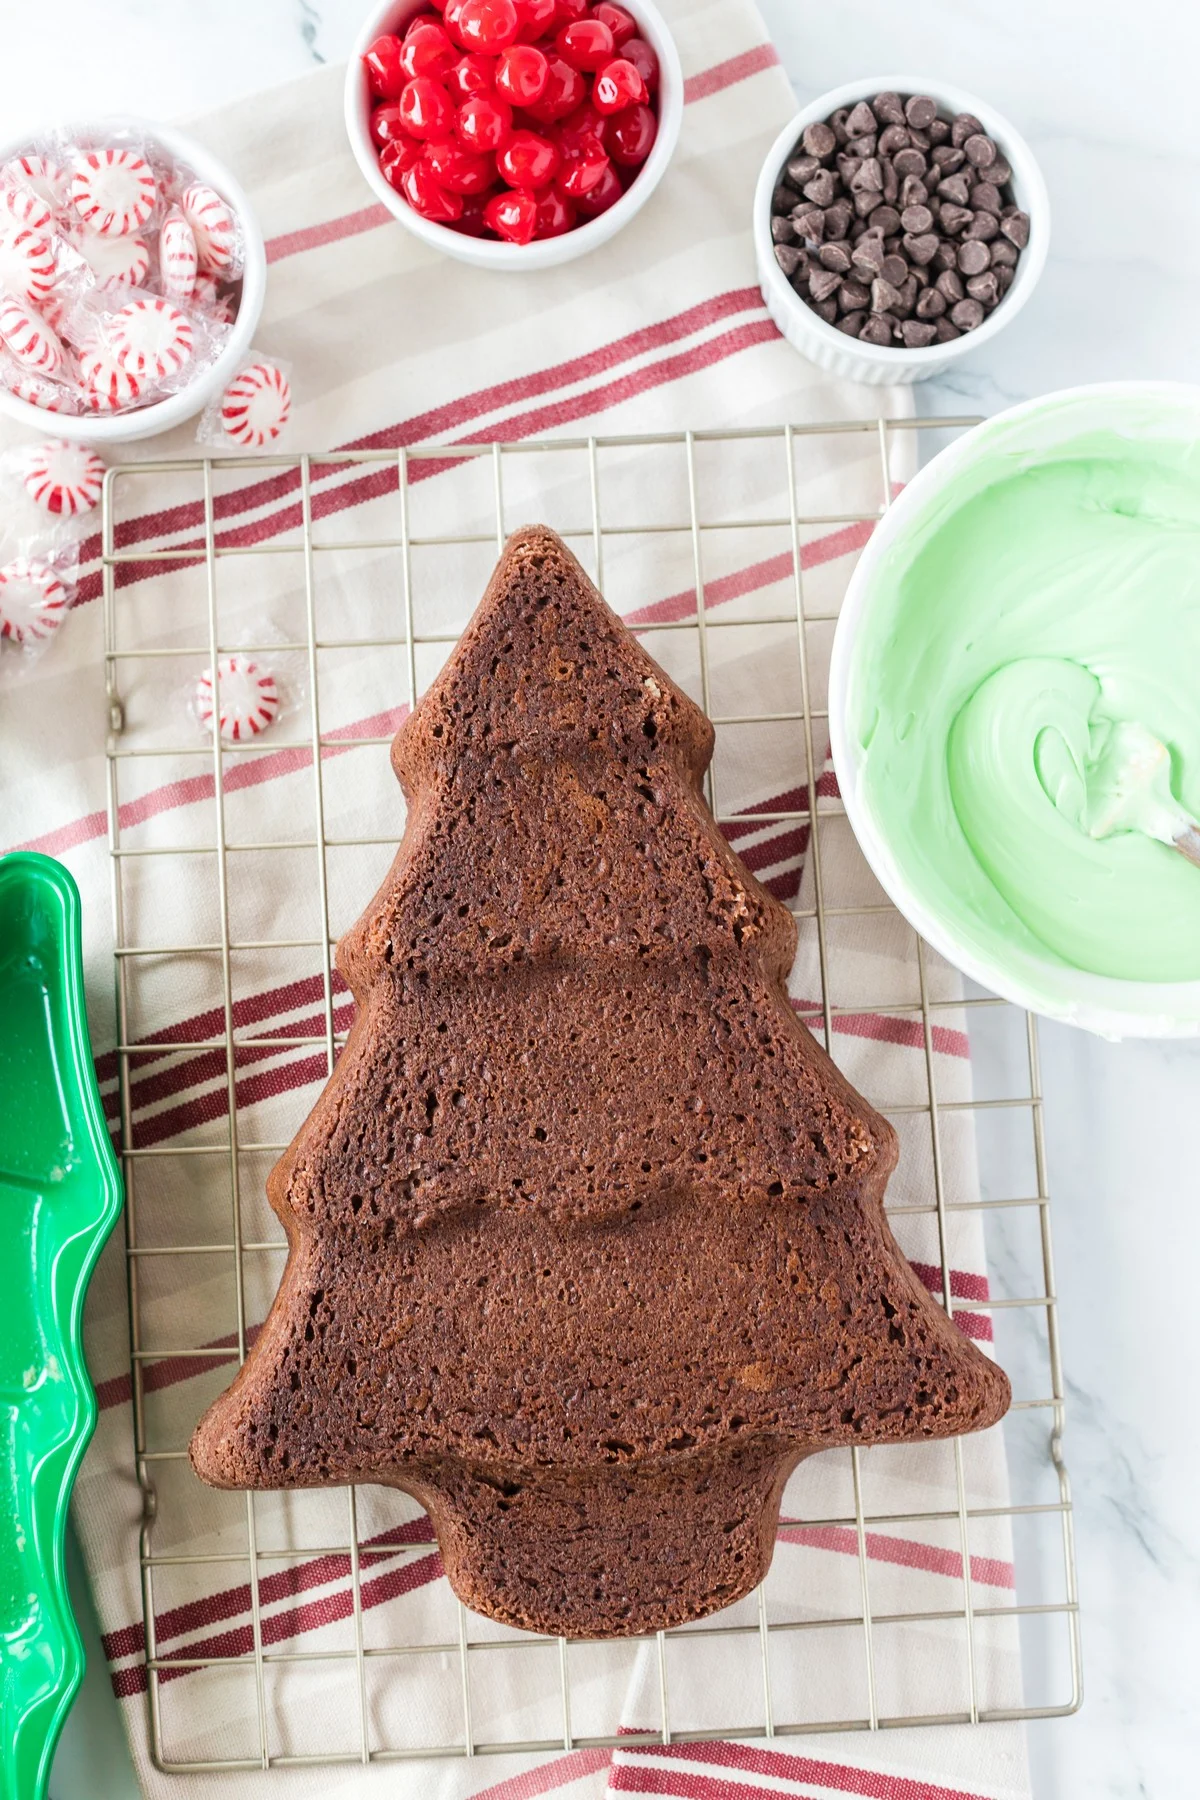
x=60 y=1194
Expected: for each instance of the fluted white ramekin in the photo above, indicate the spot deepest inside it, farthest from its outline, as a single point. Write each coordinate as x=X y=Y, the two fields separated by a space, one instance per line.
x=880 y=364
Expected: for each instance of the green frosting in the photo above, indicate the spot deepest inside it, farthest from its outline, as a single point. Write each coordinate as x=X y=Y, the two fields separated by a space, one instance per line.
x=1033 y=609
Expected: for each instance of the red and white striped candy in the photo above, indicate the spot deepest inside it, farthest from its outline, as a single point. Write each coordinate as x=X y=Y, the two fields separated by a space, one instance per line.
x=106 y=386
x=38 y=393
x=35 y=390
x=113 y=191
x=246 y=695
x=48 y=179
x=27 y=266
x=177 y=256
x=32 y=599
x=151 y=338
x=64 y=478
x=214 y=227
x=256 y=404
x=26 y=205
x=35 y=344
x=115 y=262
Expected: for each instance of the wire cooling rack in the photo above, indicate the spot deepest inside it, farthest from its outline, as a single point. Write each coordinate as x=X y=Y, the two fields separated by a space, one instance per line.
x=1003 y=1107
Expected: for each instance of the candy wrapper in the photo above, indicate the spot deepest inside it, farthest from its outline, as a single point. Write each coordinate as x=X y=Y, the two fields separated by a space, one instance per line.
x=37 y=590
x=253 y=411
x=120 y=273
x=253 y=691
x=49 y=493
x=133 y=347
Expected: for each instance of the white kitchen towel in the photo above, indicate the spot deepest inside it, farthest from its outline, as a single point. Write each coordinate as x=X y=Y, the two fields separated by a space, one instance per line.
x=392 y=346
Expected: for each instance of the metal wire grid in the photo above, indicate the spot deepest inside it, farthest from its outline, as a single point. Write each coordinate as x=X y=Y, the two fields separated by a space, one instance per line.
x=775 y=1721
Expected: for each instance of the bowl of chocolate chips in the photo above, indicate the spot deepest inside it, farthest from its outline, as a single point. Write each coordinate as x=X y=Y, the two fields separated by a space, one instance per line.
x=899 y=223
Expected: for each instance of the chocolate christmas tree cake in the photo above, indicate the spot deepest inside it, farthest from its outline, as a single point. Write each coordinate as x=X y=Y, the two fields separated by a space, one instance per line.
x=587 y=1248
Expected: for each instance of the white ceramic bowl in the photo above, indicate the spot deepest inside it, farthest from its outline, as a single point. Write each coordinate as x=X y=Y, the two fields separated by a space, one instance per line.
x=488 y=253
x=877 y=364
x=1154 y=411
x=147 y=421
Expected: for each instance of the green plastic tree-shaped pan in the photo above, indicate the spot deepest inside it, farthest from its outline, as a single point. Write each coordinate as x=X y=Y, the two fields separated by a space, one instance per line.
x=60 y=1194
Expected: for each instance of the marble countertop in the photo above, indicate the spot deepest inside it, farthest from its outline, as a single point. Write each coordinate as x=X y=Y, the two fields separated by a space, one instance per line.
x=1105 y=94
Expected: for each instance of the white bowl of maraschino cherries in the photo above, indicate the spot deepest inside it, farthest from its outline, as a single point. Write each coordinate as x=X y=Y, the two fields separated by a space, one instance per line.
x=514 y=134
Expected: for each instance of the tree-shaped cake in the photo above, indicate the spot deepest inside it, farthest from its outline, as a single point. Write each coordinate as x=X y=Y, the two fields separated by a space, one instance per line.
x=587 y=1247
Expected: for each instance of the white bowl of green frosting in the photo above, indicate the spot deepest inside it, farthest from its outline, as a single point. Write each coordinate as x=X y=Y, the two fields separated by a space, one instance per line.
x=1033 y=587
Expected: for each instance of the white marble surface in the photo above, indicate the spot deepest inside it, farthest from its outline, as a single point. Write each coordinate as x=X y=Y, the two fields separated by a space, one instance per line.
x=1105 y=93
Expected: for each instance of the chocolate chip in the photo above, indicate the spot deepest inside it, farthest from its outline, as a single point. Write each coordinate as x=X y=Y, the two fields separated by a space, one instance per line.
x=952 y=218
x=868 y=175
x=782 y=229
x=835 y=256
x=947 y=255
x=810 y=223
x=913 y=192
x=984 y=225
x=822 y=188
x=921 y=249
x=947 y=159
x=823 y=282
x=889 y=107
x=949 y=283
x=852 y=323
x=964 y=125
x=916 y=334
x=980 y=150
x=984 y=287
x=1004 y=254
x=920 y=110
x=931 y=304
x=837 y=218
x=891 y=183
x=800 y=169
x=790 y=257
x=910 y=162
x=837 y=124
x=916 y=219
x=853 y=295
x=939 y=130
x=885 y=219
x=1000 y=172
x=799 y=280
x=865 y=201
x=819 y=140
x=894 y=138
x=985 y=197
x=946 y=332
x=1004 y=280
x=876 y=330
x=1016 y=229
x=967 y=314
x=921 y=139
x=869 y=253
x=894 y=269
x=952 y=187
x=861 y=120
x=974 y=257
x=826 y=309
x=883 y=295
